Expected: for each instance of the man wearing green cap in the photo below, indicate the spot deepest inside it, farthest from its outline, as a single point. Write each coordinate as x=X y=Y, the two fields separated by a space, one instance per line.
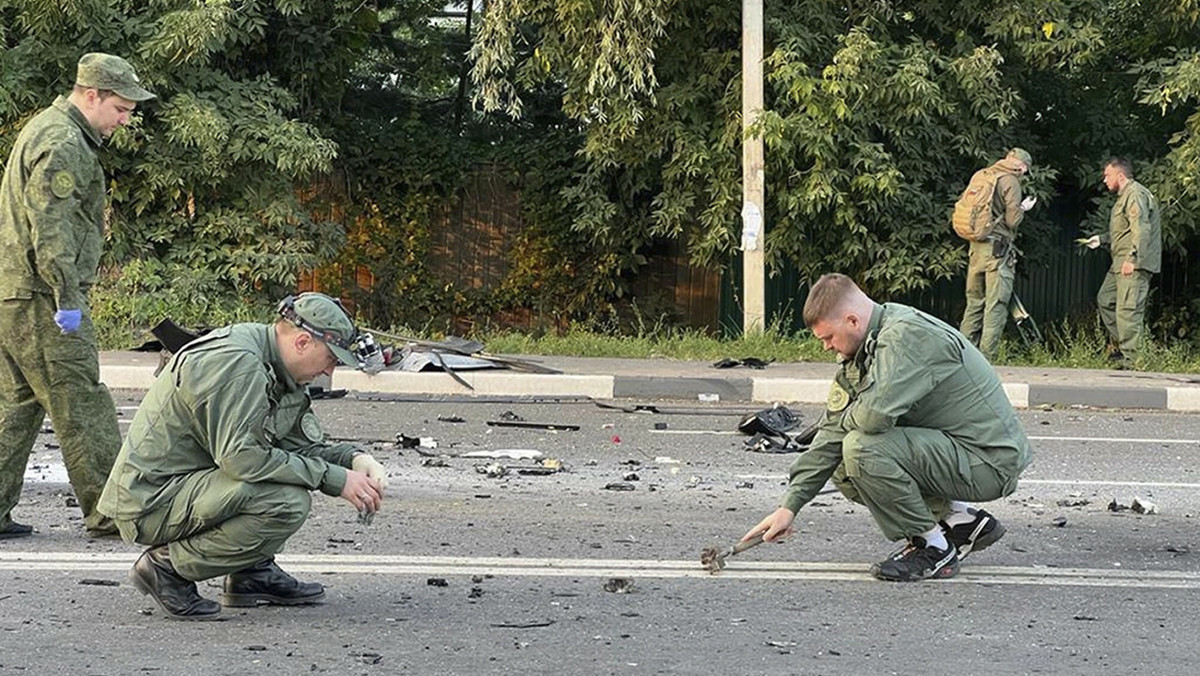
x=215 y=473
x=51 y=233
x=992 y=264
x=1135 y=242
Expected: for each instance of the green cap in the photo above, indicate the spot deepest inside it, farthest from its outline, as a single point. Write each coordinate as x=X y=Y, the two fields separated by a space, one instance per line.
x=328 y=321
x=1021 y=154
x=105 y=71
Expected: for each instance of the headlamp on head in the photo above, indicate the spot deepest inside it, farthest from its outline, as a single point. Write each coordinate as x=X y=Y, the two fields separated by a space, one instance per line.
x=347 y=343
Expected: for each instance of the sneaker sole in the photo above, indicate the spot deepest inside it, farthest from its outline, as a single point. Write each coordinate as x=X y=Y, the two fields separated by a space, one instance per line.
x=946 y=571
x=146 y=590
x=254 y=600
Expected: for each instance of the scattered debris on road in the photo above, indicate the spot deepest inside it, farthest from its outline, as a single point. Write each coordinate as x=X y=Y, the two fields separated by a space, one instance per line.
x=533 y=425
x=493 y=471
x=619 y=585
x=521 y=625
x=96 y=582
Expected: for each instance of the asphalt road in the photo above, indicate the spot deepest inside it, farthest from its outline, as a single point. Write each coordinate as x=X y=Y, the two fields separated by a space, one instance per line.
x=529 y=562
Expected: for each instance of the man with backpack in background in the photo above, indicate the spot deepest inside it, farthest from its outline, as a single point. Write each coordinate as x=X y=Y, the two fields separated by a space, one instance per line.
x=987 y=215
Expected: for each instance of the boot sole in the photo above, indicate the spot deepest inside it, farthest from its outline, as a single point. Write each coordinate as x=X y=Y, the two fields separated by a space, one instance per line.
x=147 y=590
x=254 y=600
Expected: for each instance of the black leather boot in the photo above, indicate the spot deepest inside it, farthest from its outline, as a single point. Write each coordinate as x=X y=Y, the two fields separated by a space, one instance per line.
x=12 y=529
x=264 y=583
x=153 y=574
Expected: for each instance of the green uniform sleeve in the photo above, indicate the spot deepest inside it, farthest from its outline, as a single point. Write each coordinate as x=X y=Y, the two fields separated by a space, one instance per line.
x=341 y=454
x=233 y=414
x=812 y=468
x=52 y=201
x=901 y=374
x=1009 y=188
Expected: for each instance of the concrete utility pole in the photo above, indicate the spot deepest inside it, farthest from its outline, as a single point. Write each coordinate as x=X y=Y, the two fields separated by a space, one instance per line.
x=753 y=188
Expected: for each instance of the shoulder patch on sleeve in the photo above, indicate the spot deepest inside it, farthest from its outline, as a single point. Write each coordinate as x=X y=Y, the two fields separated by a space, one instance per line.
x=311 y=428
x=62 y=184
x=838 y=399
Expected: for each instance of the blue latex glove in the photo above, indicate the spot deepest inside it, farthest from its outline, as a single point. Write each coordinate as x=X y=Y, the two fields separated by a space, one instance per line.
x=68 y=320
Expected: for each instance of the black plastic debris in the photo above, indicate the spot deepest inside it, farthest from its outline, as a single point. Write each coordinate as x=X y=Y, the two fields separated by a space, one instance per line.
x=510 y=416
x=95 y=582
x=451 y=419
x=619 y=486
x=437 y=582
x=770 y=431
x=315 y=393
x=748 y=362
x=532 y=425
x=776 y=421
x=521 y=625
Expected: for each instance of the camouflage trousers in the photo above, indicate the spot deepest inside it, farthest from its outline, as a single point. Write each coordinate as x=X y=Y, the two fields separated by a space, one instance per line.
x=989 y=286
x=1122 y=304
x=907 y=476
x=45 y=371
x=217 y=525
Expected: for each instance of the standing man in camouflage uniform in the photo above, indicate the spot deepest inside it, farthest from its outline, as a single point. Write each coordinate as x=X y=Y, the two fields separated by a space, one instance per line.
x=1135 y=242
x=51 y=233
x=993 y=262
x=916 y=424
x=215 y=473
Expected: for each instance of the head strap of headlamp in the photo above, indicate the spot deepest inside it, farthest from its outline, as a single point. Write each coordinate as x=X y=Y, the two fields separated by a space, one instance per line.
x=287 y=310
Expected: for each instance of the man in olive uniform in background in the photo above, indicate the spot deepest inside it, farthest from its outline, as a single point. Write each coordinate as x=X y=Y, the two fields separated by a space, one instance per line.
x=992 y=264
x=916 y=423
x=51 y=234
x=215 y=473
x=1135 y=242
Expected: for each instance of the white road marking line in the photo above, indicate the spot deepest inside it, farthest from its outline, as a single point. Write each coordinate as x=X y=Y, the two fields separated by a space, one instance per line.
x=1118 y=440
x=713 y=432
x=1113 y=440
x=1044 y=482
x=550 y=567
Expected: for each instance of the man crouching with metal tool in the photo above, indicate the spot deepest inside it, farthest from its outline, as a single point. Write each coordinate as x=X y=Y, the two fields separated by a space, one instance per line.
x=215 y=473
x=916 y=424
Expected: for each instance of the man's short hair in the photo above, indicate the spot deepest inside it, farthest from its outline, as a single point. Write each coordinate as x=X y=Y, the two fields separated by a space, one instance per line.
x=100 y=93
x=826 y=297
x=1121 y=164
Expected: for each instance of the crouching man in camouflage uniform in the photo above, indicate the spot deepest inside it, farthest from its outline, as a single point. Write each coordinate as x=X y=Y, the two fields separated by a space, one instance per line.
x=916 y=424
x=215 y=473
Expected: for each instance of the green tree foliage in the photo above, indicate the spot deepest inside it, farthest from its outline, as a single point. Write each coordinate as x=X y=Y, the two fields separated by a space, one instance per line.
x=877 y=113
x=203 y=185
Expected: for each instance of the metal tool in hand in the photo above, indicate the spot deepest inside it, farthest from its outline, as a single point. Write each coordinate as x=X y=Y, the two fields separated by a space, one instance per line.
x=713 y=559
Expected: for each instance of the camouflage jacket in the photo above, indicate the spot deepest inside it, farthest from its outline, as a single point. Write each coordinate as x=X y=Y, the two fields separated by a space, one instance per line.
x=912 y=370
x=224 y=402
x=1135 y=229
x=52 y=209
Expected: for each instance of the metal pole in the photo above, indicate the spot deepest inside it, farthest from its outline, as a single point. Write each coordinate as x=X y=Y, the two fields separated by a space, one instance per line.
x=753 y=224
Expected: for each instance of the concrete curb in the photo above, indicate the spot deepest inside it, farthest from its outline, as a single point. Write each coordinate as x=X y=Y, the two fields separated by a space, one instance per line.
x=728 y=389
